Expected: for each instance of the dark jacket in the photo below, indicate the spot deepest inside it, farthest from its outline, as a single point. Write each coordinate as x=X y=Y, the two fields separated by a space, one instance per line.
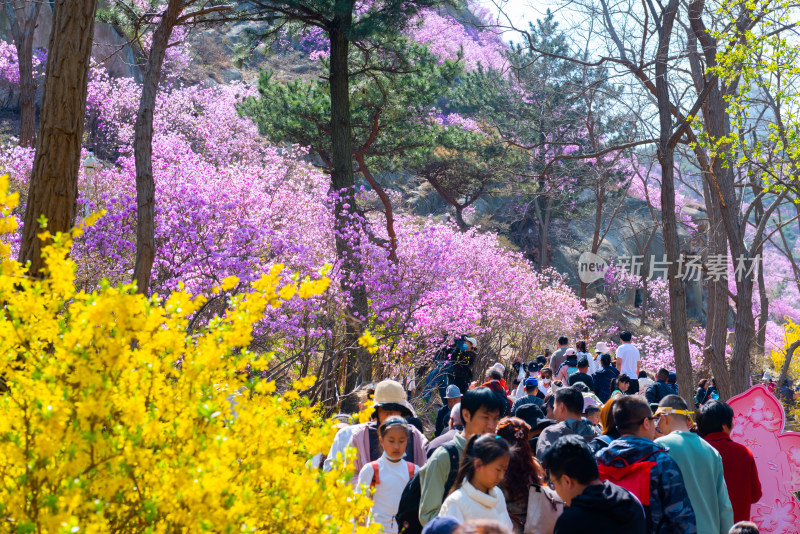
x=657 y=391
x=442 y=420
x=701 y=396
x=602 y=382
x=602 y=509
x=522 y=401
x=462 y=370
x=549 y=435
x=670 y=511
x=581 y=377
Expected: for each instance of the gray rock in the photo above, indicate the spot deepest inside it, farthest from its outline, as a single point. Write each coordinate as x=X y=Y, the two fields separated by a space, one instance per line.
x=230 y=74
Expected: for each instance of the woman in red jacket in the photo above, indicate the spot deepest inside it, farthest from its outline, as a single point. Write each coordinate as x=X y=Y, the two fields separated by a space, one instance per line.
x=714 y=423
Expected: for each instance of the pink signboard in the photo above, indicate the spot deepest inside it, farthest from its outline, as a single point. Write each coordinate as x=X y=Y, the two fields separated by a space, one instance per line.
x=758 y=424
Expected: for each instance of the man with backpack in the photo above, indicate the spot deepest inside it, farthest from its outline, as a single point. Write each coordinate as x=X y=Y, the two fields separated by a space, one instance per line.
x=658 y=389
x=592 y=505
x=638 y=464
x=480 y=412
x=701 y=466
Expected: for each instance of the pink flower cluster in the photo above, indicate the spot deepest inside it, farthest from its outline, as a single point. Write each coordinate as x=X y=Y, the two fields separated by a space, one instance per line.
x=447 y=38
x=228 y=204
x=9 y=64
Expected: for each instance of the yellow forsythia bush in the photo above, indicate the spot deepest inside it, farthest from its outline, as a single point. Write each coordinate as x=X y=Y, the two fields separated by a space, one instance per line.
x=100 y=431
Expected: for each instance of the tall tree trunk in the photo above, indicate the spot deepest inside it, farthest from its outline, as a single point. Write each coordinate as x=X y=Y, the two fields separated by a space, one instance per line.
x=598 y=220
x=544 y=234
x=717 y=307
x=763 y=315
x=721 y=184
x=143 y=149
x=22 y=17
x=666 y=156
x=343 y=185
x=462 y=224
x=53 y=189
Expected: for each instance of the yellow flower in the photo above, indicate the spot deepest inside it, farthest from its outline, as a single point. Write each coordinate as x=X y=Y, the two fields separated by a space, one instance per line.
x=368 y=341
x=102 y=427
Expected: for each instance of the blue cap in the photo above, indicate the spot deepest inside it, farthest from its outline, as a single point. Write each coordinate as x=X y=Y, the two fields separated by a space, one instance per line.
x=441 y=525
x=531 y=383
x=452 y=392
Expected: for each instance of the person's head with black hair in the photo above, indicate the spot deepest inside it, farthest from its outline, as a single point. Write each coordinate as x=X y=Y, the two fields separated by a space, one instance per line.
x=674 y=415
x=355 y=401
x=592 y=413
x=583 y=364
x=548 y=405
x=744 y=527
x=546 y=373
x=480 y=411
x=634 y=417
x=703 y=383
x=605 y=360
x=581 y=386
x=523 y=470
x=393 y=436
x=714 y=416
x=484 y=462
x=663 y=375
x=625 y=336
x=494 y=374
x=572 y=466
x=622 y=383
x=568 y=404
x=581 y=346
x=563 y=341
x=642 y=374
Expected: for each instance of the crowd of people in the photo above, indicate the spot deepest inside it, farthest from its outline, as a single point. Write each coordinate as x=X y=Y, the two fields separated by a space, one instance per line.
x=576 y=444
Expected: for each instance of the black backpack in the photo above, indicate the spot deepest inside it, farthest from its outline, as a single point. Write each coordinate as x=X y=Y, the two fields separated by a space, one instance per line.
x=407 y=516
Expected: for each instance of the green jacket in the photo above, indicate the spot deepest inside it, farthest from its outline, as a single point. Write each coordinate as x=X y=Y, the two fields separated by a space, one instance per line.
x=703 y=476
x=432 y=478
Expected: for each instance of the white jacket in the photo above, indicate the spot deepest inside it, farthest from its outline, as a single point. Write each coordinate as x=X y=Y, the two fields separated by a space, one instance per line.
x=468 y=503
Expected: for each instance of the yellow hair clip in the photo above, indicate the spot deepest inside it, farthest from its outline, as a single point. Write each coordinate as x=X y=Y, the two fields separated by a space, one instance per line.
x=665 y=410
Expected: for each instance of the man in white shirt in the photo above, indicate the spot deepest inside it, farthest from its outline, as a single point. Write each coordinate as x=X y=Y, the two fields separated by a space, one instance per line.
x=628 y=361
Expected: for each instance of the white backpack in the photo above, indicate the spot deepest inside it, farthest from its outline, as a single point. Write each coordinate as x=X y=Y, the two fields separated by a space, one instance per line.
x=544 y=507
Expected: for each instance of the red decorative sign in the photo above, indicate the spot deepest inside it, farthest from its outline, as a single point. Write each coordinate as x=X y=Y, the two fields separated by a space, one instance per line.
x=758 y=423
